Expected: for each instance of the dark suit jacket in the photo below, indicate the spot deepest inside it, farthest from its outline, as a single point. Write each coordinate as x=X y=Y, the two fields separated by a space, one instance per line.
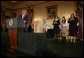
x=20 y=21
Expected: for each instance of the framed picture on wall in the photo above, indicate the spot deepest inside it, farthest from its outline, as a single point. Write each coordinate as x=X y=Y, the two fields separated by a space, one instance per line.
x=51 y=11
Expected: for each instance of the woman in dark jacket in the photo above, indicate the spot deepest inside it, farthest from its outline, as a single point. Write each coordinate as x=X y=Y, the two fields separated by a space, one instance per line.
x=29 y=27
x=73 y=27
x=56 y=24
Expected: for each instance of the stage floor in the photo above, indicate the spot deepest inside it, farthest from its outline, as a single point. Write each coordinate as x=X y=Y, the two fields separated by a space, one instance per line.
x=54 y=49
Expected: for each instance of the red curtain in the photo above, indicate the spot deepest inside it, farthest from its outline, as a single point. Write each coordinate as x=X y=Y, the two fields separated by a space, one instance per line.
x=79 y=14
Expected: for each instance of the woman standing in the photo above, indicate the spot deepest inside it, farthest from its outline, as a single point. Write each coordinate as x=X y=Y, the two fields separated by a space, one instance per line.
x=63 y=28
x=56 y=24
x=73 y=27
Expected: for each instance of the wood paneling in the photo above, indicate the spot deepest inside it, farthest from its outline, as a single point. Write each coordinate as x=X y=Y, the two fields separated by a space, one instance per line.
x=13 y=38
x=80 y=17
x=5 y=4
x=20 y=4
x=3 y=23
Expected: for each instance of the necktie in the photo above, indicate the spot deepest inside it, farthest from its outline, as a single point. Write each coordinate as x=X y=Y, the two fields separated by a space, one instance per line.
x=23 y=18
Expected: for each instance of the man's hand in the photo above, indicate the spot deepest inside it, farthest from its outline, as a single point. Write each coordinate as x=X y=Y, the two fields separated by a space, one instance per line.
x=24 y=21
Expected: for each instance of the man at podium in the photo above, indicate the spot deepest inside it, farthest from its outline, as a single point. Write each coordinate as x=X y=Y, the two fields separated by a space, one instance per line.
x=17 y=24
x=22 y=19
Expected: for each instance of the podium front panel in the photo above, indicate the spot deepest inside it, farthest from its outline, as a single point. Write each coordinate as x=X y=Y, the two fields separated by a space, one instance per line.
x=15 y=23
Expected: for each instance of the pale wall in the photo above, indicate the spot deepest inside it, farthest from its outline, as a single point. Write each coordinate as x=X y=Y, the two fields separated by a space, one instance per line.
x=64 y=8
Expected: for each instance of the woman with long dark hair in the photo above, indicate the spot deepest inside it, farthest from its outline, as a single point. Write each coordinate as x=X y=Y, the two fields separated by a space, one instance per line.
x=56 y=24
x=63 y=28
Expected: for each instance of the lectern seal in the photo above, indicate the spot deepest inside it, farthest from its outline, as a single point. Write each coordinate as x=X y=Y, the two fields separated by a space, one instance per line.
x=11 y=22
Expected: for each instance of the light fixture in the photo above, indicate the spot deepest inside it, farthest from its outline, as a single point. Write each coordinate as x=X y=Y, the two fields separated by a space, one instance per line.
x=81 y=2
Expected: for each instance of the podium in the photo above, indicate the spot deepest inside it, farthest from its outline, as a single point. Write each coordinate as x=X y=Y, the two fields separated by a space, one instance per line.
x=13 y=25
x=29 y=43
